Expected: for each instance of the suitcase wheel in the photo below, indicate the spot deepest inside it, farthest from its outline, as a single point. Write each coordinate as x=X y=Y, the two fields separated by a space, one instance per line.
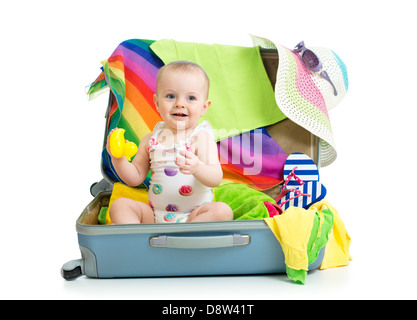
x=92 y=189
x=72 y=269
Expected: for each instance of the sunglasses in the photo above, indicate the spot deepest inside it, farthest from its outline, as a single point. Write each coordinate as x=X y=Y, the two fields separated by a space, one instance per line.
x=312 y=62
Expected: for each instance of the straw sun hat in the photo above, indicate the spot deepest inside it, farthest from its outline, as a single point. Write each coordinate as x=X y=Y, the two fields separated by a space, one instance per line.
x=304 y=95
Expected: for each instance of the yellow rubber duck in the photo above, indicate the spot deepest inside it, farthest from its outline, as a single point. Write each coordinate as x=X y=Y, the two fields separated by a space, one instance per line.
x=120 y=147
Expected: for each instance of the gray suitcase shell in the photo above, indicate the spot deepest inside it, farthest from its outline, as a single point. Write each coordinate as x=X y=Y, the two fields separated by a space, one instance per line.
x=157 y=250
x=190 y=249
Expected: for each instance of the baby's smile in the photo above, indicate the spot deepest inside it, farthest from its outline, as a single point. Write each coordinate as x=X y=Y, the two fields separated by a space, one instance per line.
x=179 y=114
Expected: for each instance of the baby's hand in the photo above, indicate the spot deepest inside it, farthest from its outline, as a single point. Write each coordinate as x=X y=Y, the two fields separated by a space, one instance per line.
x=108 y=141
x=187 y=162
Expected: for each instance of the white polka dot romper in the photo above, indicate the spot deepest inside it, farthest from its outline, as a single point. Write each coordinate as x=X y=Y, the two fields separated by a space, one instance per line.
x=172 y=194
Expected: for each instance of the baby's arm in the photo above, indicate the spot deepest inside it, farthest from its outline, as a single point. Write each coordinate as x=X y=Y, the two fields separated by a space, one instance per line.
x=204 y=163
x=133 y=173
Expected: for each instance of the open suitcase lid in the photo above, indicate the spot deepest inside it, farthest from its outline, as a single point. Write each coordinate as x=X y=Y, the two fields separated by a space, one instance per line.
x=289 y=136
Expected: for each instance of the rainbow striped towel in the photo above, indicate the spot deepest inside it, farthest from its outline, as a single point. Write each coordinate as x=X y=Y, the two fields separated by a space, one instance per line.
x=130 y=73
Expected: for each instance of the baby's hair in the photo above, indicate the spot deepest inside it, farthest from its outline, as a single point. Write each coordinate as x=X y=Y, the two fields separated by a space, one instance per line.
x=183 y=65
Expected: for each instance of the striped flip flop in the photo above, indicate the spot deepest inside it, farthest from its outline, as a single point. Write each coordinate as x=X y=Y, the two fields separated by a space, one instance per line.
x=299 y=168
x=303 y=196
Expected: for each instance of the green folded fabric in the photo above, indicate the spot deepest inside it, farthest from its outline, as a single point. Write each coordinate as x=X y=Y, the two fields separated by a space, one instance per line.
x=246 y=203
x=102 y=215
x=242 y=95
x=318 y=239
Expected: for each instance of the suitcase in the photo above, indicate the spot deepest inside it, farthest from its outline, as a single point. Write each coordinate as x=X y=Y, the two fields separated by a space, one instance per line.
x=237 y=247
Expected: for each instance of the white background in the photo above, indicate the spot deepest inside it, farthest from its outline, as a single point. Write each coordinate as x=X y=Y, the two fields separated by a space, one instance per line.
x=51 y=138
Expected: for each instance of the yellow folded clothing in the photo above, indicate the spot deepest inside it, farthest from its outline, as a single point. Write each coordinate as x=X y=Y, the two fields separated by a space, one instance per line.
x=121 y=190
x=302 y=233
x=337 y=249
x=293 y=230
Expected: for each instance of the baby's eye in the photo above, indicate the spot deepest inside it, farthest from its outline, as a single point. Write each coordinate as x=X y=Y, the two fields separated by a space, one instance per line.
x=192 y=98
x=170 y=96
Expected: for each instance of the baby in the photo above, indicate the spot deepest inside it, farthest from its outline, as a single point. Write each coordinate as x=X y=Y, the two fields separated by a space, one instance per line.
x=181 y=154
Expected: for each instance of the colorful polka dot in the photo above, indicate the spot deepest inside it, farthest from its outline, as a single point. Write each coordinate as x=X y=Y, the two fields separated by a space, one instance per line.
x=172 y=207
x=157 y=188
x=170 y=217
x=186 y=190
x=170 y=172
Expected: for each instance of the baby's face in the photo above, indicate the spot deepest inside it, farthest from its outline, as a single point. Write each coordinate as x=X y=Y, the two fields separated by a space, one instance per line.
x=181 y=98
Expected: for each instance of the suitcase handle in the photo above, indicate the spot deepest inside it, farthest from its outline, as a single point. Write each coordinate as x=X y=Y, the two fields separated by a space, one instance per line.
x=203 y=242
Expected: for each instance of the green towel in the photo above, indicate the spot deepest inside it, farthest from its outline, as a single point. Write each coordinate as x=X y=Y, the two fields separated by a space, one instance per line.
x=242 y=95
x=318 y=239
x=246 y=203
